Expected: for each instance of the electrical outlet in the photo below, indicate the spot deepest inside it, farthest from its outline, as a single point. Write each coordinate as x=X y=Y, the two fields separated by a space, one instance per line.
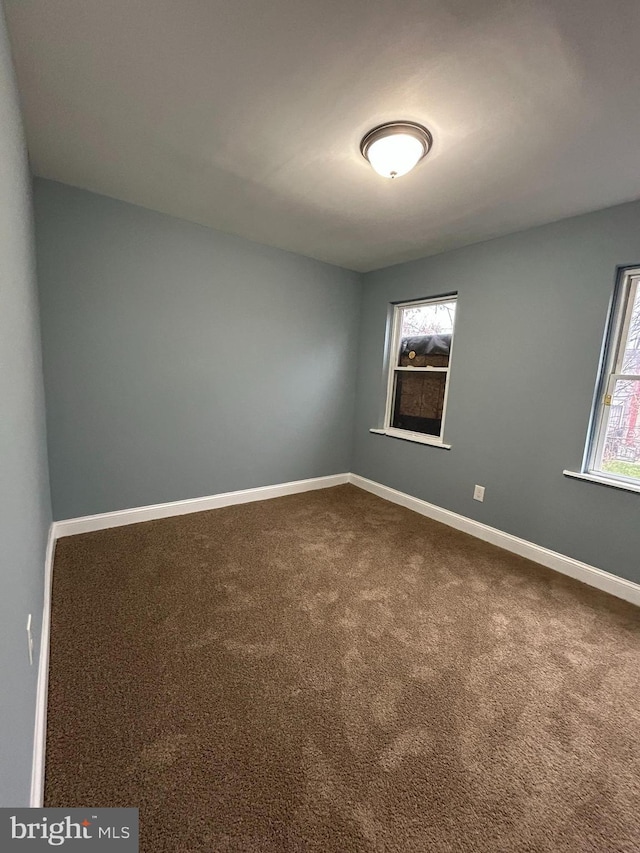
x=29 y=640
x=478 y=493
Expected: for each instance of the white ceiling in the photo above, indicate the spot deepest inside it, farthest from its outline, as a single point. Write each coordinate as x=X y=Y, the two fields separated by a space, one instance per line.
x=246 y=115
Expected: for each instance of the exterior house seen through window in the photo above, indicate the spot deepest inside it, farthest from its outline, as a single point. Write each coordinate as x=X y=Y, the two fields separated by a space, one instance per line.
x=418 y=382
x=614 y=444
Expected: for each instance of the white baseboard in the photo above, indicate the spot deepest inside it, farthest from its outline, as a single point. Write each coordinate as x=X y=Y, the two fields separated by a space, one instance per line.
x=605 y=581
x=36 y=797
x=105 y=520
x=566 y=565
x=86 y=524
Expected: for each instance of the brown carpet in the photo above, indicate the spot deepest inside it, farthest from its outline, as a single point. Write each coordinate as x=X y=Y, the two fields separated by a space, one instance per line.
x=329 y=672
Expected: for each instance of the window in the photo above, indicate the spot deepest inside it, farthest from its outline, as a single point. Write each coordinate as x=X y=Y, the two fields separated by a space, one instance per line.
x=422 y=335
x=614 y=443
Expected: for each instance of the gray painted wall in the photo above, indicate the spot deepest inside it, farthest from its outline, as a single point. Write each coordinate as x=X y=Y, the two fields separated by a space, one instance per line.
x=531 y=316
x=180 y=361
x=25 y=512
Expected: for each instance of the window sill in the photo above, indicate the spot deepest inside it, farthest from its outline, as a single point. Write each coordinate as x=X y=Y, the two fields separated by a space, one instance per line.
x=417 y=437
x=603 y=481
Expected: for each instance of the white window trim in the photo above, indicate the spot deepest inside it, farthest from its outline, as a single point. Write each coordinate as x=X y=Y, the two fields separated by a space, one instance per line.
x=610 y=365
x=407 y=435
x=392 y=369
x=625 y=485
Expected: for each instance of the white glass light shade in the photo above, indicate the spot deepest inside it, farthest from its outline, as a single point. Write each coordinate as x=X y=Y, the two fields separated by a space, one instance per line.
x=395 y=148
x=395 y=155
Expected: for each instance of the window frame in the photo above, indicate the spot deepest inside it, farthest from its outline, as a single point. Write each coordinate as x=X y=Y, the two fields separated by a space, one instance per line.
x=393 y=368
x=621 y=307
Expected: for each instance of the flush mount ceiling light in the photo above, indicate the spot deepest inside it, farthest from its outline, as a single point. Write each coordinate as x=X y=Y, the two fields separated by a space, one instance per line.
x=393 y=149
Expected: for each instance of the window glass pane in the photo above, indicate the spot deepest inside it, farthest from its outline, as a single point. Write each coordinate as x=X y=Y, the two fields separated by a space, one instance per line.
x=431 y=319
x=425 y=351
x=425 y=335
x=621 y=450
x=631 y=346
x=419 y=402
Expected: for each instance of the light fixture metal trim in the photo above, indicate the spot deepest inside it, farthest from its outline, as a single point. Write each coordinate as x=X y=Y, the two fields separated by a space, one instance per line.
x=391 y=128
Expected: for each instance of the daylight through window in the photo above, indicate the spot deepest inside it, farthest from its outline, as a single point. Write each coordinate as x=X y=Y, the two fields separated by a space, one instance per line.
x=615 y=442
x=419 y=367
